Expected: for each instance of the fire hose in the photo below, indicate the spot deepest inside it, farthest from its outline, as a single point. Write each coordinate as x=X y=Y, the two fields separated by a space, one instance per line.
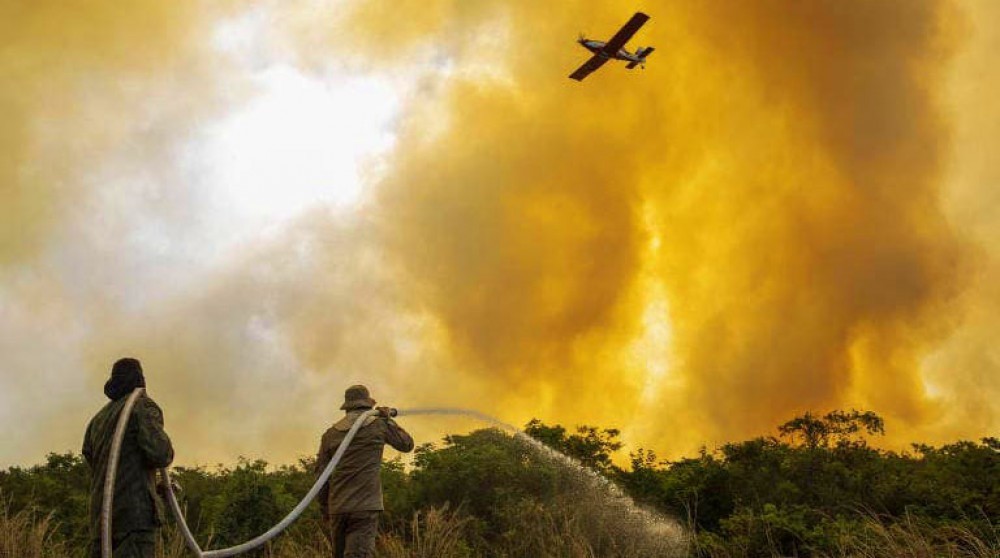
x=109 y=491
x=123 y=418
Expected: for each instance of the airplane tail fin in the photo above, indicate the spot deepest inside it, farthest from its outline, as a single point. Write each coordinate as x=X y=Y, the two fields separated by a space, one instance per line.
x=641 y=53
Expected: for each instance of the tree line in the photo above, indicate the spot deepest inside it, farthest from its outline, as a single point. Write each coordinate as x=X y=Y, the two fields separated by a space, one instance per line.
x=811 y=489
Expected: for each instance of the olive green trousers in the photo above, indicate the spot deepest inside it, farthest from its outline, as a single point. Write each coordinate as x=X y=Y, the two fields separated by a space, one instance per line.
x=353 y=534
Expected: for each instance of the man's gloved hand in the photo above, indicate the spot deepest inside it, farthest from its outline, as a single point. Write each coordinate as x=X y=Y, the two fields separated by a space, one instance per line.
x=386 y=412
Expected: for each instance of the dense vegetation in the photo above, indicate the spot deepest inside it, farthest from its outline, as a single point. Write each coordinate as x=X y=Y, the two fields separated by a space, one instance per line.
x=818 y=488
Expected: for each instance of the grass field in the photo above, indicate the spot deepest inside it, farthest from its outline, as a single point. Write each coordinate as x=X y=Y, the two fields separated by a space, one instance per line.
x=548 y=533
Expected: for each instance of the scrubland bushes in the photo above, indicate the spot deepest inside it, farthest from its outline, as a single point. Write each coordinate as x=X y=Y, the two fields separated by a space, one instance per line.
x=818 y=489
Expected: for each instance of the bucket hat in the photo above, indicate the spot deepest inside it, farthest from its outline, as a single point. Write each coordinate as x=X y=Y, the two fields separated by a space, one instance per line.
x=357 y=397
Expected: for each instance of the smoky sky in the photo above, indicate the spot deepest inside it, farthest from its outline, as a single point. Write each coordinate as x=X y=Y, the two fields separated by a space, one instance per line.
x=787 y=210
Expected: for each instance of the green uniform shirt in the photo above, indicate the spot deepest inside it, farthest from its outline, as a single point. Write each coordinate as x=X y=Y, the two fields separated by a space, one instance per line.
x=356 y=484
x=145 y=448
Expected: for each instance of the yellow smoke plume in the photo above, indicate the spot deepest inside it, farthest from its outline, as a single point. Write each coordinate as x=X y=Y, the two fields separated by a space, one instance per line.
x=772 y=185
x=788 y=210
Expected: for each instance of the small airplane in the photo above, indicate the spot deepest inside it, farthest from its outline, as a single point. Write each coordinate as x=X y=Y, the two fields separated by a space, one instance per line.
x=614 y=49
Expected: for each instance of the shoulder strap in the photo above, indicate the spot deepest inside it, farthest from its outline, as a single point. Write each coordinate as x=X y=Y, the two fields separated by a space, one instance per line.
x=344 y=424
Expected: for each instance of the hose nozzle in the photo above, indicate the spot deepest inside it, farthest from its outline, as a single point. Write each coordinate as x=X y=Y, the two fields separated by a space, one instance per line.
x=387 y=412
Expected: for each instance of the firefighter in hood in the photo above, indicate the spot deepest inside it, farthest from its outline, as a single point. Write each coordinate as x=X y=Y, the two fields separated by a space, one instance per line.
x=352 y=500
x=137 y=511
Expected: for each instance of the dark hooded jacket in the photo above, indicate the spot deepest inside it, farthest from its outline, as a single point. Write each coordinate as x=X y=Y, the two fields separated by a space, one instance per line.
x=145 y=448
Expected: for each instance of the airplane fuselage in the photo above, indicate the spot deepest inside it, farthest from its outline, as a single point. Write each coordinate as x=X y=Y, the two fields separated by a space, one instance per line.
x=597 y=47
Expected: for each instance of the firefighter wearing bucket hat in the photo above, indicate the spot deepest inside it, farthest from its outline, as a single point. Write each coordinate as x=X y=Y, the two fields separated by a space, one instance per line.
x=352 y=500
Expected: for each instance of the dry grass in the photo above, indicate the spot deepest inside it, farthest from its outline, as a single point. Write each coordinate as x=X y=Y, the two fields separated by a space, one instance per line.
x=534 y=530
x=567 y=530
x=914 y=538
x=26 y=534
x=436 y=533
x=171 y=544
x=872 y=536
x=432 y=534
x=307 y=542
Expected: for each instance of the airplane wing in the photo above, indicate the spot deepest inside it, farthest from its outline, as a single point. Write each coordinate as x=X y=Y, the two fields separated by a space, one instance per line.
x=594 y=63
x=625 y=33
